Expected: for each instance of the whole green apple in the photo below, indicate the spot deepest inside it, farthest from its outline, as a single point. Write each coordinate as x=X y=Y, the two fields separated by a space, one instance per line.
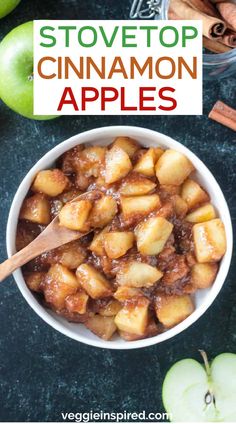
x=16 y=71
x=7 y=6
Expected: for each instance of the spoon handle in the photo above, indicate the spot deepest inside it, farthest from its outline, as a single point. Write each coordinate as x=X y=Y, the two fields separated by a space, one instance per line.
x=16 y=261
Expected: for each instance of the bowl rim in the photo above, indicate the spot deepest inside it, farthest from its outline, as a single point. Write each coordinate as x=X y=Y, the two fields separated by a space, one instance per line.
x=50 y=157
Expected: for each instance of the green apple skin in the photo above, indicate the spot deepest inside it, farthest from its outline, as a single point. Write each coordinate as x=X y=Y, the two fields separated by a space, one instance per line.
x=16 y=69
x=187 y=383
x=7 y=6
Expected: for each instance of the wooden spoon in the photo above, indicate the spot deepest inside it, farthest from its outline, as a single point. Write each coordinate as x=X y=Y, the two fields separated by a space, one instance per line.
x=53 y=236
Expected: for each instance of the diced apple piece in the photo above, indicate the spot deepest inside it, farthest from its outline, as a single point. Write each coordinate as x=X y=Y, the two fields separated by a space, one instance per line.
x=118 y=164
x=117 y=243
x=74 y=215
x=103 y=327
x=136 y=185
x=137 y=274
x=97 y=244
x=152 y=235
x=209 y=240
x=34 y=279
x=77 y=303
x=103 y=211
x=36 y=209
x=203 y=275
x=139 y=205
x=151 y=330
x=193 y=194
x=171 y=310
x=71 y=254
x=91 y=160
x=133 y=317
x=93 y=282
x=124 y=294
x=173 y=167
x=59 y=283
x=51 y=182
x=146 y=164
x=111 y=309
x=180 y=206
x=127 y=144
x=204 y=213
x=158 y=152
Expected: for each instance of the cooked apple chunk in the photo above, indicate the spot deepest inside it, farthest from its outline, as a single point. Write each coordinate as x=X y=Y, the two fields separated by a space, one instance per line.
x=137 y=274
x=117 y=243
x=127 y=144
x=74 y=215
x=152 y=235
x=146 y=164
x=91 y=161
x=111 y=309
x=118 y=164
x=51 y=182
x=171 y=310
x=124 y=294
x=77 y=303
x=209 y=240
x=93 y=282
x=103 y=211
x=34 y=279
x=203 y=275
x=36 y=209
x=193 y=194
x=59 y=283
x=133 y=317
x=70 y=255
x=136 y=185
x=180 y=206
x=103 y=327
x=97 y=244
x=152 y=330
x=139 y=205
x=173 y=167
x=204 y=213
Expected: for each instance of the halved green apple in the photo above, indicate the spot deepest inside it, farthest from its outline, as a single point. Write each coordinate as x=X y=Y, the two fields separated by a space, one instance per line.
x=194 y=393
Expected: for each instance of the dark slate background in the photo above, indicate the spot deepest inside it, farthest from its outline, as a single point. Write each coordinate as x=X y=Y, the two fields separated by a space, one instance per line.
x=43 y=373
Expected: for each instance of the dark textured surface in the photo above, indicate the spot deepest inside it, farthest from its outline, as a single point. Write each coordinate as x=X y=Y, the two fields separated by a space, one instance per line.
x=43 y=373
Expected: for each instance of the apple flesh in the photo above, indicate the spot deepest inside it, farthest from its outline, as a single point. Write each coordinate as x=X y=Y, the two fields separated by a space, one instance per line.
x=7 y=6
x=191 y=393
x=16 y=71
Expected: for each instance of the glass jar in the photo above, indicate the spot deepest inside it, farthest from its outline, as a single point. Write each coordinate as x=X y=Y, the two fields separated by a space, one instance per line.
x=215 y=65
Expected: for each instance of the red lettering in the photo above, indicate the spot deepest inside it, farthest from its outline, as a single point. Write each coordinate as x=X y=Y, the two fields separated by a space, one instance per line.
x=70 y=101
x=143 y=98
x=168 y=99
x=104 y=98
x=85 y=98
x=122 y=101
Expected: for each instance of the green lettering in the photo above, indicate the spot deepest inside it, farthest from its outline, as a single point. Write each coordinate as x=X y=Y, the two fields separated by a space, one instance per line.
x=47 y=36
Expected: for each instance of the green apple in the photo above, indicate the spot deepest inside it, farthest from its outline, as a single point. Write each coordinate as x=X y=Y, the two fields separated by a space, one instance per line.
x=7 y=6
x=16 y=71
x=194 y=393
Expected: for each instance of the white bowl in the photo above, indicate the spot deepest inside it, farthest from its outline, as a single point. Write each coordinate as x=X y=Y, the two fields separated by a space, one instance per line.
x=203 y=298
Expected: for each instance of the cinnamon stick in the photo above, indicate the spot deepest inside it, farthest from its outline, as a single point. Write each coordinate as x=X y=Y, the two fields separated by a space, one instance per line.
x=204 y=6
x=212 y=27
x=214 y=46
x=224 y=114
x=228 y=13
x=172 y=15
x=229 y=38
